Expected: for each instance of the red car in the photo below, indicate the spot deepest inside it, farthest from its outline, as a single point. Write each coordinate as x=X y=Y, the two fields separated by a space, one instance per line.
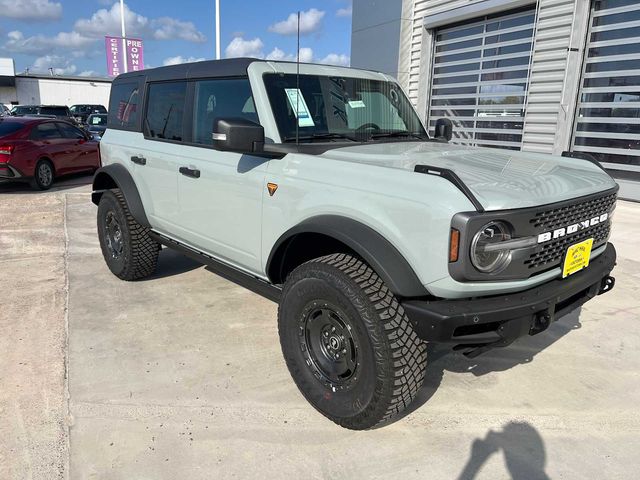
x=38 y=150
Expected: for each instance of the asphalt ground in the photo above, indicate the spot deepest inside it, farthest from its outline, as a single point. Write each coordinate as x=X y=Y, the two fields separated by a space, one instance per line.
x=181 y=375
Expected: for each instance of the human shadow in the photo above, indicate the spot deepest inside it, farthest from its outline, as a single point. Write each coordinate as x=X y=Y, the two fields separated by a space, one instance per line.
x=441 y=358
x=522 y=447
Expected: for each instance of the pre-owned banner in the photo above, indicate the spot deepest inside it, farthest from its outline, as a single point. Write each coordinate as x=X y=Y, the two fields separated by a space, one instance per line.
x=130 y=51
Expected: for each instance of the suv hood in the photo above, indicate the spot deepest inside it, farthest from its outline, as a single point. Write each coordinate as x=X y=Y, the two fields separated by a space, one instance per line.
x=500 y=179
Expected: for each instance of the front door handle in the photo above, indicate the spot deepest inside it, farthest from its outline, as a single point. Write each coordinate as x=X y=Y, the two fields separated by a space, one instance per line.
x=190 y=172
x=139 y=160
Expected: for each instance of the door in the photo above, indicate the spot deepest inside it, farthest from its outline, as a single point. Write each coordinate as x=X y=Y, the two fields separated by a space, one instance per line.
x=80 y=154
x=48 y=142
x=157 y=158
x=220 y=193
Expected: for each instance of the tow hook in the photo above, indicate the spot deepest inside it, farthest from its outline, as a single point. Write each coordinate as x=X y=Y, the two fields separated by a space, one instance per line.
x=607 y=284
x=541 y=322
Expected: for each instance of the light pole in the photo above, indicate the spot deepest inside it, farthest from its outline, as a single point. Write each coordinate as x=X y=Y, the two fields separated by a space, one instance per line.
x=217 y=29
x=124 y=34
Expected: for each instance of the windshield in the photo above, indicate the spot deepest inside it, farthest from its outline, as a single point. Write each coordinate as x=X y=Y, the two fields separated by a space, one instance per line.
x=23 y=110
x=339 y=108
x=9 y=128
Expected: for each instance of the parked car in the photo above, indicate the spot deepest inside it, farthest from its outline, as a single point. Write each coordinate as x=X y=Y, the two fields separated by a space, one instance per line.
x=61 y=112
x=39 y=150
x=96 y=125
x=324 y=192
x=81 y=112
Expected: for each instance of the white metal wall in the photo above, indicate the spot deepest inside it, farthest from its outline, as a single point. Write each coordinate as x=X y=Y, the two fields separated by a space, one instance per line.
x=61 y=91
x=555 y=67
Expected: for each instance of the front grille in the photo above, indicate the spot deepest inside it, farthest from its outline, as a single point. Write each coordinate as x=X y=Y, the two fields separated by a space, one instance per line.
x=552 y=252
x=561 y=217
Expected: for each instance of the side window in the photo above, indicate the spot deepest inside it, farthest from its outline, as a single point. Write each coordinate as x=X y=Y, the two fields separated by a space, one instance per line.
x=45 y=131
x=228 y=97
x=123 y=106
x=165 y=111
x=69 y=131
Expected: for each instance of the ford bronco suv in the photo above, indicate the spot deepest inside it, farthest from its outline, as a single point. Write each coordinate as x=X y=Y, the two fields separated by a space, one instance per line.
x=319 y=187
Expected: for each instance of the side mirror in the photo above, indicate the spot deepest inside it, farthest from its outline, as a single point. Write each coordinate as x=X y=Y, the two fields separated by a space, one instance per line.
x=238 y=135
x=444 y=129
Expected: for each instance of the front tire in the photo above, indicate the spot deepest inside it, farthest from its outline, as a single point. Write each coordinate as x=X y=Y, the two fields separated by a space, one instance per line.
x=347 y=342
x=127 y=246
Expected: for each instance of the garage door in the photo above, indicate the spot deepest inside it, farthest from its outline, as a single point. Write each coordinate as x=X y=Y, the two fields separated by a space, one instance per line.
x=480 y=78
x=608 y=118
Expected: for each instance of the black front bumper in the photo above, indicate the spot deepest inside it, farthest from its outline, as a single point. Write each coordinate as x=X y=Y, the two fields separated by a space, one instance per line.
x=480 y=324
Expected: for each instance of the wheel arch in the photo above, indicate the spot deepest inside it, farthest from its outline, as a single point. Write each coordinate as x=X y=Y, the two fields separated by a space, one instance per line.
x=117 y=176
x=326 y=234
x=44 y=158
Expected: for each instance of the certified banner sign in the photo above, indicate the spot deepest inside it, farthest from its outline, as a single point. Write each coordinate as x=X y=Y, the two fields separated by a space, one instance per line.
x=130 y=51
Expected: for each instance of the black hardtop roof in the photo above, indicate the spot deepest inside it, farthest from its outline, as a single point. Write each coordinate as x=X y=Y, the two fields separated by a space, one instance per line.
x=231 y=67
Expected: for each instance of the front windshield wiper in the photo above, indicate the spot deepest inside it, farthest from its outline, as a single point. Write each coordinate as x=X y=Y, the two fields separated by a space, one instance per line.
x=319 y=136
x=420 y=136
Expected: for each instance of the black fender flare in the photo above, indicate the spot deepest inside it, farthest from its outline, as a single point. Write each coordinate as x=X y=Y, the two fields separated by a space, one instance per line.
x=117 y=176
x=382 y=256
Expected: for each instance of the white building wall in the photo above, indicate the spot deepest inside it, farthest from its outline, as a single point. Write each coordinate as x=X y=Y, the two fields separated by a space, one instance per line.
x=55 y=91
x=555 y=71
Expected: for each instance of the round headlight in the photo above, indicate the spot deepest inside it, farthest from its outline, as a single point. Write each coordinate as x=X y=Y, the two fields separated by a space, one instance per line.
x=491 y=260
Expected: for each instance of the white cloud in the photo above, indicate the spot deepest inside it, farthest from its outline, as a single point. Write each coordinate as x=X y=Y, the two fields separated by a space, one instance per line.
x=30 y=10
x=39 y=44
x=107 y=22
x=306 y=55
x=60 y=65
x=310 y=21
x=88 y=73
x=344 y=12
x=169 y=28
x=239 y=47
x=341 y=60
x=180 y=59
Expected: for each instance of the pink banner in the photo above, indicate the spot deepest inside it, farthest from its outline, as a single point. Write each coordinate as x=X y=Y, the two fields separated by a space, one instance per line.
x=132 y=54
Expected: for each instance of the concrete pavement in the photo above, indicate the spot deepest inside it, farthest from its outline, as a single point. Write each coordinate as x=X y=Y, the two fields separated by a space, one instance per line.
x=181 y=376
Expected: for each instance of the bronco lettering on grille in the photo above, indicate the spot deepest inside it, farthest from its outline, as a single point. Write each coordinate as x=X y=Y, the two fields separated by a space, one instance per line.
x=576 y=227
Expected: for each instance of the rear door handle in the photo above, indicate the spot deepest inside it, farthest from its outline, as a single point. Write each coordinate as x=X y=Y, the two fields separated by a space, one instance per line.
x=190 y=172
x=139 y=160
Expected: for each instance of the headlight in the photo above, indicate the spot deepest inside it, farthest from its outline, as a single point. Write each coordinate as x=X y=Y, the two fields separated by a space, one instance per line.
x=484 y=254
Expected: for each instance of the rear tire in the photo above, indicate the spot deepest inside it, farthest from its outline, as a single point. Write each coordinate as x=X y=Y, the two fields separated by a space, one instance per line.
x=43 y=175
x=127 y=246
x=347 y=342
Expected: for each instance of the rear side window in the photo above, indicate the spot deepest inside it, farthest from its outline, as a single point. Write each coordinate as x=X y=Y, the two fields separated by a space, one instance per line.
x=165 y=111
x=123 y=106
x=222 y=98
x=9 y=128
x=45 y=131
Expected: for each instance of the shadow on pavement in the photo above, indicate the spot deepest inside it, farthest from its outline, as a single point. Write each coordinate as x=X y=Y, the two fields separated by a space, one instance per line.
x=522 y=447
x=64 y=183
x=441 y=358
x=172 y=263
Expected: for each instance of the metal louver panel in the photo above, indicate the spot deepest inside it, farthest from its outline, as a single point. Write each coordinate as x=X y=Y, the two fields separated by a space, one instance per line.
x=608 y=119
x=480 y=78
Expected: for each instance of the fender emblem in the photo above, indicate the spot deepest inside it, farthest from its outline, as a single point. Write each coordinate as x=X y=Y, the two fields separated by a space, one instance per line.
x=272 y=187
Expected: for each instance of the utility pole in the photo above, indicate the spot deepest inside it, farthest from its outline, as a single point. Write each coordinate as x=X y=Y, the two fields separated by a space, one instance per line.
x=124 y=34
x=217 y=29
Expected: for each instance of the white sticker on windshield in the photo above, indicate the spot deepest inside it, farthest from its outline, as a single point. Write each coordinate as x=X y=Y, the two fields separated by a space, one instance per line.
x=296 y=99
x=356 y=104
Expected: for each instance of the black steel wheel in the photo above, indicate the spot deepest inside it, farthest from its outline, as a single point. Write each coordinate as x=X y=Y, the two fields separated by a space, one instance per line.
x=127 y=247
x=43 y=177
x=347 y=342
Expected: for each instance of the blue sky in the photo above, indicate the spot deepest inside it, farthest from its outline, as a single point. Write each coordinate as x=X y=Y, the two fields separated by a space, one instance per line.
x=68 y=35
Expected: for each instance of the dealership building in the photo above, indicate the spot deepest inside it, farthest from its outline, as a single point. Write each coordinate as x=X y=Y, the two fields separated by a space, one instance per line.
x=37 y=89
x=549 y=76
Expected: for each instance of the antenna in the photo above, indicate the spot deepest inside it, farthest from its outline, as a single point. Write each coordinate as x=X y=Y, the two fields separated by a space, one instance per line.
x=298 y=93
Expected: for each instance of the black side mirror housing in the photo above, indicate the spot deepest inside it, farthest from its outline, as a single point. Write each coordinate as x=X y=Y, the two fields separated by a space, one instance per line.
x=238 y=135
x=444 y=129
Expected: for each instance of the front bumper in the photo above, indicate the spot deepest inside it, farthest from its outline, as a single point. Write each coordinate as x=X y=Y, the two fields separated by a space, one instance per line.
x=480 y=324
